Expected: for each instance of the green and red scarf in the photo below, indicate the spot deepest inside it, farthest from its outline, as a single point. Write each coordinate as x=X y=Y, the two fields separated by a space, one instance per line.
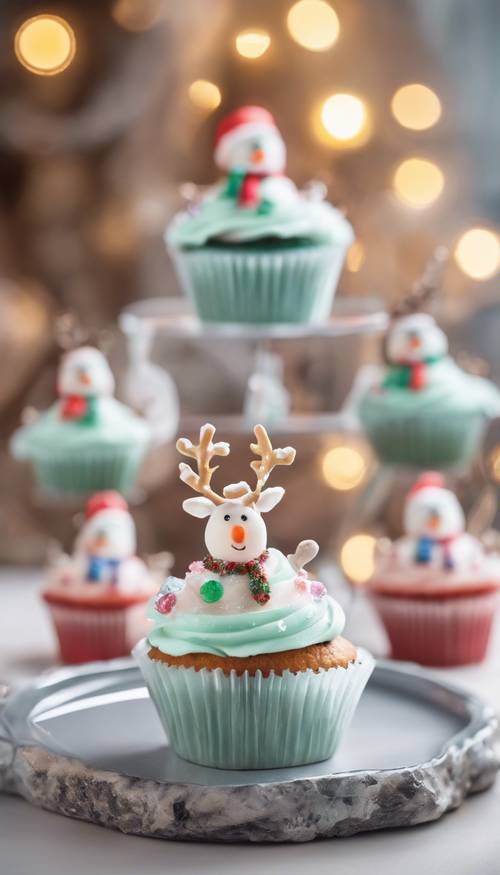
x=258 y=582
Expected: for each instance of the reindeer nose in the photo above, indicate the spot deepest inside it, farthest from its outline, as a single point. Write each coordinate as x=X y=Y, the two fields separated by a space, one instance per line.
x=238 y=534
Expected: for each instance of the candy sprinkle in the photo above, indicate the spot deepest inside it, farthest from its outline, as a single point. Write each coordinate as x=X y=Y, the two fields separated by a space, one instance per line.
x=211 y=591
x=165 y=603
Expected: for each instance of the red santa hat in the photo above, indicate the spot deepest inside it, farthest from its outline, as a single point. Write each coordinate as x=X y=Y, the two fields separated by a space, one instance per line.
x=247 y=121
x=109 y=500
x=428 y=480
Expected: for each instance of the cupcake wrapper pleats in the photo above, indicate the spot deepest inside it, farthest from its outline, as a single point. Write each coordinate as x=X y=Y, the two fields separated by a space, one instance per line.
x=438 y=632
x=231 y=284
x=254 y=722
x=87 y=634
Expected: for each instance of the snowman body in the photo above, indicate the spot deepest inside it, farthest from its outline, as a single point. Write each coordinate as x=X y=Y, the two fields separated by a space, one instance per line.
x=435 y=523
x=414 y=344
x=84 y=379
x=105 y=549
x=251 y=150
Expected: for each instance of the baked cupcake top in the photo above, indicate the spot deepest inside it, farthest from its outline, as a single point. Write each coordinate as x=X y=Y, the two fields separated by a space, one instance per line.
x=104 y=570
x=436 y=556
x=421 y=377
x=257 y=201
x=243 y=598
x=85 y=414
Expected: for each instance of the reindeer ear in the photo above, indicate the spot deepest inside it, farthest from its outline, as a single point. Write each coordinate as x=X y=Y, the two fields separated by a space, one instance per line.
x=199 y=507
x=269 y=499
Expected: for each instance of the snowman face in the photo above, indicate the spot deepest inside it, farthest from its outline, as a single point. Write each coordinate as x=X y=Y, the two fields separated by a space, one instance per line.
x=414 y=339
x=110 y=535
x=261 y=151
x=434 y=513
x=85 y=372
x=235 y=533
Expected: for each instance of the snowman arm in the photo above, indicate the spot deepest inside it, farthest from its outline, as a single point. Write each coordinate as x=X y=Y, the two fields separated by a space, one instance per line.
x=304 y=553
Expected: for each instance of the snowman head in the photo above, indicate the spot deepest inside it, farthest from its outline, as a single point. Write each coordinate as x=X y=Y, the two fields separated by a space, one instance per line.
x=85 y=371
x=249 y=141
x=109 y=530
x=433 y=511
x=415 y=338
x=235 y=531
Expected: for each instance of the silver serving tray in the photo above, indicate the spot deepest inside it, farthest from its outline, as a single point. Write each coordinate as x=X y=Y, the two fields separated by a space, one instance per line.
x=87 y=743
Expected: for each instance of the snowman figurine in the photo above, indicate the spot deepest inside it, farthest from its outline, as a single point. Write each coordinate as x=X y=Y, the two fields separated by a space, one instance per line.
x=240 y=573
x=251 y=151
x=84 y=378
x=435 y=525
x=414 y=344
x=106 y=544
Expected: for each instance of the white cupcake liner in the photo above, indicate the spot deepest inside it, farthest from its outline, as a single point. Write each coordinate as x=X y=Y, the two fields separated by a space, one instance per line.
x=441 y=631
x=254 y=722
x=88 y=634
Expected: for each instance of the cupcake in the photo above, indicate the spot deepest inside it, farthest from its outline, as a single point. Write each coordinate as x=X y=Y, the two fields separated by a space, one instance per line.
x=97 y=596
x=436 y=588
x=87 y=440
x=426 y=411
x=245 y=662
x=255 y=249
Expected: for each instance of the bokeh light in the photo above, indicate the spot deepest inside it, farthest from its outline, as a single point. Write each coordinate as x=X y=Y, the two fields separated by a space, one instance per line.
x=494 y=463
x=418 y=182
x=313 y=24
x=138 y=15
x=252 y=43
x=356 y=256
x=45 y=44
x=416 y=107
x=344 y=118
x=357 y=557
x=205 y=95
x=477 y=253
x=343 y=468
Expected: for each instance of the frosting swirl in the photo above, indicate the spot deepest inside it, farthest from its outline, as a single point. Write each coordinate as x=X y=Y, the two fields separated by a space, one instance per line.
x=237 y=626
x=222 y=219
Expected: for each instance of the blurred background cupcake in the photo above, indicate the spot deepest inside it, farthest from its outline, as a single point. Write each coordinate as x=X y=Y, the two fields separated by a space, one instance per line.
x=97 y=596
x=254 y=248
x=436 y=588
x=87 y=440
x=426 y=411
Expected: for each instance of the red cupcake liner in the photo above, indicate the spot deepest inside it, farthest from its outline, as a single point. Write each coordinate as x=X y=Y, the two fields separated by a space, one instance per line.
x=438 y=632
x=87 y=635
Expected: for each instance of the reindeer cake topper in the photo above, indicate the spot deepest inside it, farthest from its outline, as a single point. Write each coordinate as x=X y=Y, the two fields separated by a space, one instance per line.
x=235 y=534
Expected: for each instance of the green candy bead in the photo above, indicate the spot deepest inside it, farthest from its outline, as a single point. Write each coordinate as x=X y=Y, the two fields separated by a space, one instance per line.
x=211 y=591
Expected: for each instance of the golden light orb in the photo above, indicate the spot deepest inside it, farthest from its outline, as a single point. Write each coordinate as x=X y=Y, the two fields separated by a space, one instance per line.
x=45 y=44
x=416 y=107
x=356 y=256
x=418 y=182
x=313 y=24
x=344 y=121
x=494 y=463
x=252 y=44
x=205 y=95
x=357 y=557
x=343 y=468
x=477 y=253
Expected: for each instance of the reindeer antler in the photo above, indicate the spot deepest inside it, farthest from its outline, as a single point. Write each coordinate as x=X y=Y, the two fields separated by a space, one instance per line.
x=202 y=453
x=269 y=459
x=426 y=286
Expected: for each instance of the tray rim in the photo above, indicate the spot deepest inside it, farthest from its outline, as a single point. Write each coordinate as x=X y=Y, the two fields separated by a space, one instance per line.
x=294 y=809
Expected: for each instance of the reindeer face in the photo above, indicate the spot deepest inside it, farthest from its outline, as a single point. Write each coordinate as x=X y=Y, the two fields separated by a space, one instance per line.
x=235 y=533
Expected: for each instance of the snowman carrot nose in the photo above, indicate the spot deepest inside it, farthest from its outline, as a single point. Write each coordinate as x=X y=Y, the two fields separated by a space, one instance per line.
x=84 y=378
x=238 y=534
x=415 y=341
x=257 y=155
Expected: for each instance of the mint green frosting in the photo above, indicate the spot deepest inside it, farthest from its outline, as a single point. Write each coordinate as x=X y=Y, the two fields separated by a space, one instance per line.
x=449 y=391
x=115 y=425
x=299 y=623
x=223 y=220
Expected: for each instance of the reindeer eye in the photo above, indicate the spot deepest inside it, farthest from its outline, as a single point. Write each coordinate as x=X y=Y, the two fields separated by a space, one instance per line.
x=227 y=517
x=244 y=517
